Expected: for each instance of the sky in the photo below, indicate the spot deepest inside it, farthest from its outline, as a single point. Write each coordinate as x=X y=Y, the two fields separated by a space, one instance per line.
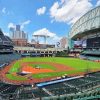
x=52 y=17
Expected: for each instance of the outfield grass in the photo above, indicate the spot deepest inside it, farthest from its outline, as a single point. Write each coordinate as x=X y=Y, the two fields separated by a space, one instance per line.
x=55 y=74
x=78 y=64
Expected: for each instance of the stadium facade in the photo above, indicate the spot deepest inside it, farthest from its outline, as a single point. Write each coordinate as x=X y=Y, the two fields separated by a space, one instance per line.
x=87 y=30
x=6 y=44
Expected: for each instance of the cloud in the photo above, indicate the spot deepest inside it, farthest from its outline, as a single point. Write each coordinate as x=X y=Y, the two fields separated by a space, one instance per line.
x=56 y=38
x=69 y=11
x=25 y=23
x=62 y=1
x=4 y=10
x=5 y=33
x=11 y=25
x=44 y=32
x=98 y=3
x=53 y=37
x=41 y=11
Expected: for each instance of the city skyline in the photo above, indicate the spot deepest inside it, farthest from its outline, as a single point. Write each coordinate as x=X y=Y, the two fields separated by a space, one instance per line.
x=53 y=16
x=17 y=33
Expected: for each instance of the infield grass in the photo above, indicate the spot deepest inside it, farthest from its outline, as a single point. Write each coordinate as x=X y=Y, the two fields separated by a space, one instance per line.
x=43 y=66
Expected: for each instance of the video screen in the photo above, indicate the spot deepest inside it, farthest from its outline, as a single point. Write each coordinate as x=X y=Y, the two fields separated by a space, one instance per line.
x=93 y=42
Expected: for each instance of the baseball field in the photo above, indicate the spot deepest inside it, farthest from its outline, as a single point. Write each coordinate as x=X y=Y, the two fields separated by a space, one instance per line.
x=41 y=69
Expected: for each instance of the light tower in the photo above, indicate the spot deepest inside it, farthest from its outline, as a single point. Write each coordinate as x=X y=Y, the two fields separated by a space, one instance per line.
x=44 y=36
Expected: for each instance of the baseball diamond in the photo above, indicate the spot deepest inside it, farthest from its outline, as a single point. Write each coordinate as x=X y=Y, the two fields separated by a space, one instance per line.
x=33 y=70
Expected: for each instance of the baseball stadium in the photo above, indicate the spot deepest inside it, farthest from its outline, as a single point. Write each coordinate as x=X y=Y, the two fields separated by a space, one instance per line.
x=41 y=74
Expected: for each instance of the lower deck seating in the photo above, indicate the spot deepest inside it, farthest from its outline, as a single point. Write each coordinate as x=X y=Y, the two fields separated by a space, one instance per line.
x=83 y=87
x=7 y=58
x=39 y=93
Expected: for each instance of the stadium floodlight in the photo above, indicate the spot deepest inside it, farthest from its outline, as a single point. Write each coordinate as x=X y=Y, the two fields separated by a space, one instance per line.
x=44 y=36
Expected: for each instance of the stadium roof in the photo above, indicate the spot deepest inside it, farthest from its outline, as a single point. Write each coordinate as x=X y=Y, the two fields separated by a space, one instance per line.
x=87 y=24
x=85 y=33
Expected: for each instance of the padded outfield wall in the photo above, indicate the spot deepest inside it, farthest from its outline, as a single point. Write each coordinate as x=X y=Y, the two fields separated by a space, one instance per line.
x=88 y=26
